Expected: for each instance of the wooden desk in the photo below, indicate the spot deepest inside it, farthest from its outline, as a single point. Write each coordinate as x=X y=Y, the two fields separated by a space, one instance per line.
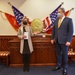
x=43 y=54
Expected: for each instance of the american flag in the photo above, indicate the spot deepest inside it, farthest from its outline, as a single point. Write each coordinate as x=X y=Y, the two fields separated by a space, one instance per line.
x=46 y=22
x=53 y=17
x=18 y=15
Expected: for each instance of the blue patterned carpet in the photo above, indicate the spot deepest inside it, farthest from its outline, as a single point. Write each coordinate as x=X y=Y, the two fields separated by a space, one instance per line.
x=35 y=70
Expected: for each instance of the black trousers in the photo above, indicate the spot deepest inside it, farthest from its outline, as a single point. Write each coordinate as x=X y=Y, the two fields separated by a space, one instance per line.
x=26 y=60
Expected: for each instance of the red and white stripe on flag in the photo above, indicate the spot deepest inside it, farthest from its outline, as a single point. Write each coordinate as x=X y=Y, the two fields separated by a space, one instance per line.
x=47 y=22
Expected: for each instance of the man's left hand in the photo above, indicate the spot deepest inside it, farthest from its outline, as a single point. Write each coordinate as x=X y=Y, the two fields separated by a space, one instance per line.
x=68 y=43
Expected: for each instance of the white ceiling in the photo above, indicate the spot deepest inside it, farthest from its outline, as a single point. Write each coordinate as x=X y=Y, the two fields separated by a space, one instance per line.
x=16 y=3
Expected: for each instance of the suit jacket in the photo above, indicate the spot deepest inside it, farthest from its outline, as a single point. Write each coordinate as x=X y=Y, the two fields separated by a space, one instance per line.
x=21 y=34
x=65 y=32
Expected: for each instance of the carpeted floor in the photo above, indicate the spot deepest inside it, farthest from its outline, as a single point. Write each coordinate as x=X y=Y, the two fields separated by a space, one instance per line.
x=35 y=70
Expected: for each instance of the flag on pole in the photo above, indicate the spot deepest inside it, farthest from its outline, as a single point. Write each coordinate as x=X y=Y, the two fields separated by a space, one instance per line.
x=46 y=22
x=52 y=17
x=67 y=13
x=18 y=15
x=12 y=21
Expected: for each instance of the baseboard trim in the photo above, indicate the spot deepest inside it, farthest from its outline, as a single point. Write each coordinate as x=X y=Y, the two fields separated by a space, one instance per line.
x=46 y=64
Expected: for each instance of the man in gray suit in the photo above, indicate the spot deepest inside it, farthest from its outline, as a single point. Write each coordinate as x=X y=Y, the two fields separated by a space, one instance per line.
x=62 y=36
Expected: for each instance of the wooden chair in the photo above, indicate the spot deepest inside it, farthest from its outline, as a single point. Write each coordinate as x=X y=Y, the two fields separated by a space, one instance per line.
x=4 y=57
x=71 y=52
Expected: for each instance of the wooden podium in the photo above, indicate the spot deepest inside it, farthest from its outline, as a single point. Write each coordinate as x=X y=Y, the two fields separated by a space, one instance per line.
x=43 y=54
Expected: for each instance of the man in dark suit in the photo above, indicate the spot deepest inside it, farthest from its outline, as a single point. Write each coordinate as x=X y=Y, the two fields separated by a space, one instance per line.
x=62 y=36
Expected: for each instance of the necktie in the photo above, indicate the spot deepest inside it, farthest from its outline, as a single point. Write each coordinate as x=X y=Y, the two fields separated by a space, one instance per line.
x=59 y=22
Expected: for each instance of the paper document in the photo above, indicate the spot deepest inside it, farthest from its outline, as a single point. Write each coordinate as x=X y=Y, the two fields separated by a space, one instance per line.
x=26 y=34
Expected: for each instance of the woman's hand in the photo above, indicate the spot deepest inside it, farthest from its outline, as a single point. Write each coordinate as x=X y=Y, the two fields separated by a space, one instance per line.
x=35 y=33
x=24 y=37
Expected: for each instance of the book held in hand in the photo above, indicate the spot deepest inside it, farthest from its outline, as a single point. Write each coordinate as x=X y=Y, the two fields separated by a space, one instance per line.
x=26 y=34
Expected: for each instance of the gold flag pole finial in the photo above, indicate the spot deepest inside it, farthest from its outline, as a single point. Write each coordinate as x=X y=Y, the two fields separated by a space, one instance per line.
x=62 y=3
x=71 y=9
x=9 y=3
x=2 y=15
x=0 y=11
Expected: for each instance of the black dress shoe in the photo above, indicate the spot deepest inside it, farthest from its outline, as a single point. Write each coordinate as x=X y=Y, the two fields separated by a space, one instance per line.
x=65 y=72
x=56 y=68
x=24 y=70
x=27 y=69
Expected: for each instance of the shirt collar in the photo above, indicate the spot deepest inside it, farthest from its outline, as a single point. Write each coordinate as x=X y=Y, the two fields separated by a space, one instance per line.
x=63 y=18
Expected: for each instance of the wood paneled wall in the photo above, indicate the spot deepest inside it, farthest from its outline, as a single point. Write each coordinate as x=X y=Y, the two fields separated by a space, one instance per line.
x=44 y=51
